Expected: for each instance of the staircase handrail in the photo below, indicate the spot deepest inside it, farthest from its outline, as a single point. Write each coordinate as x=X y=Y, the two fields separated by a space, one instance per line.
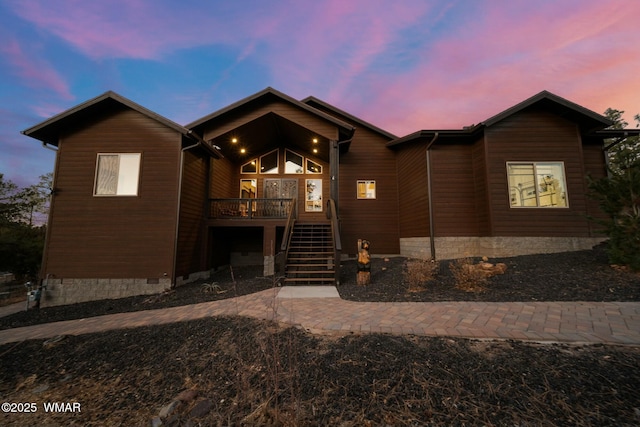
x=332 y=215
x=286 y=238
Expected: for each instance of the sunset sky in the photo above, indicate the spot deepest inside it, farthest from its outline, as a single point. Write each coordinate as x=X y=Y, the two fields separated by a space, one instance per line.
x=400 y=65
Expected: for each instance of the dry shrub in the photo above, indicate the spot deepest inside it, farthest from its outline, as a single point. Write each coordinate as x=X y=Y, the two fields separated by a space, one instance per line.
x=468 y=277
x=417 y=272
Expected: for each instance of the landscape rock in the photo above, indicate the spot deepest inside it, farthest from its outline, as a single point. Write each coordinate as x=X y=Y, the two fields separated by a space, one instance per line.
x=167 y=410
x=187 y=395
x=201 y=409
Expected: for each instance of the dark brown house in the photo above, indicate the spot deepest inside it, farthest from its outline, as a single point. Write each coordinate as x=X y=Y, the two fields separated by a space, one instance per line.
x=141 y=203
x=511 y=185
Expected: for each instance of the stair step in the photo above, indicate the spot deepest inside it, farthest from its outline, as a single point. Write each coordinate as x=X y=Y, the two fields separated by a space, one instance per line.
x=311 y=262
x=311 y=249
x=311 y=255
x=295 y=254
x=317 y=275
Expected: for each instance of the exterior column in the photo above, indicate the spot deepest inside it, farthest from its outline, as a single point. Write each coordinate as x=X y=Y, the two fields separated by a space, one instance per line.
x=334 y=167
x=269 y=249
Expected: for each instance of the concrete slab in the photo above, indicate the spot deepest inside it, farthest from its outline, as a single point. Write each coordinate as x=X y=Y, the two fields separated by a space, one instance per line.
x=308 y=292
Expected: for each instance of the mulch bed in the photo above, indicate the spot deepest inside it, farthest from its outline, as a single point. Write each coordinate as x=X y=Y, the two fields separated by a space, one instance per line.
x=238 y=371
x=570 y=276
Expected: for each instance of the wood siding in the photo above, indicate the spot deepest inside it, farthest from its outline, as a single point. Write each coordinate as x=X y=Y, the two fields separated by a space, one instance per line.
x=191 y=254
x=225 y=181
x=454 y=190
x=114 y=237
x=481 y=191
x=412 y=190
x=375 y=220
x=534 y=135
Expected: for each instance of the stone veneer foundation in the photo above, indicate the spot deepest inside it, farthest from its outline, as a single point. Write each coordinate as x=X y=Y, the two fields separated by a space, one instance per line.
x=493 y=247
x=70 y=291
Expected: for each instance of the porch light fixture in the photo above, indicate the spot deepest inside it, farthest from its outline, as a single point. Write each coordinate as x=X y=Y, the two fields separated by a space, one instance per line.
x=242 y=150
x=234 y=140
x=315 y=151
x=315 y=140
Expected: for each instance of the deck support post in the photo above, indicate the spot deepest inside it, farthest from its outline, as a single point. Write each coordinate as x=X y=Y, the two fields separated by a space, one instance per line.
x=334 y=164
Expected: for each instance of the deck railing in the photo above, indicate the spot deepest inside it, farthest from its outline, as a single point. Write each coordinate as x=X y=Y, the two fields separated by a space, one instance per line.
x=247 y=209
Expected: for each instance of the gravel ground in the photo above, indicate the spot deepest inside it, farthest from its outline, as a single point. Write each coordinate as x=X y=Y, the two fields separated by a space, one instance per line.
x=234 y=371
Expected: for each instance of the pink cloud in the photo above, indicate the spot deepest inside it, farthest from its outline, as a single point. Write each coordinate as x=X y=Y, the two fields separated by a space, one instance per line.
x=334 y=43
x=120 y=28
x=490 y=64
x=403 y=65
x=32 y=70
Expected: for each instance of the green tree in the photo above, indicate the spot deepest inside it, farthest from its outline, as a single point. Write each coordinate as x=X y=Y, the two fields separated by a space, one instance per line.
x=22 y=228
x=624 y=152
x=619 y=196
x=34 y=201
x=8 y=206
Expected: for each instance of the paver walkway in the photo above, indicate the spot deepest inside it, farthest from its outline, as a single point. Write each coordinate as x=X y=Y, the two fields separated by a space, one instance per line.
x=579 y=322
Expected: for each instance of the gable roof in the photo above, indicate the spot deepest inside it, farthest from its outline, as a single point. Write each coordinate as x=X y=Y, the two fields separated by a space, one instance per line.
x=311 y=100
x=263 y=94
x=589 y=121
x=49 y=130
x=558 y=105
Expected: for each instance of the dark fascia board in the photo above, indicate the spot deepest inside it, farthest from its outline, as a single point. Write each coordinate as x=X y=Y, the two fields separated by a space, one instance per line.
x=310 y=100
x=469 y=134
x=597 y=120
x=49 y=130
x=616 y=133
x=269 y=91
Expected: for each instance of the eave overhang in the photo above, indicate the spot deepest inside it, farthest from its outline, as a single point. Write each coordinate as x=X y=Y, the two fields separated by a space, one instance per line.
x=469 y=134
x=49 y=130
x=589 y=121
x=345 y=129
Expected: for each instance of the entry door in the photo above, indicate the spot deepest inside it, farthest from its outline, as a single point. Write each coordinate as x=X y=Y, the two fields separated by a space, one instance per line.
x=275 y=188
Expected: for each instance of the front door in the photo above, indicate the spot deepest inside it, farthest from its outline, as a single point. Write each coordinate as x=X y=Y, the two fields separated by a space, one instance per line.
x=277 y=188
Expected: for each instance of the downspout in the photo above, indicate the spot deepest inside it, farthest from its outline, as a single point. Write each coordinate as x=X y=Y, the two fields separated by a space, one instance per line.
x=432 y=239
x=175 y=243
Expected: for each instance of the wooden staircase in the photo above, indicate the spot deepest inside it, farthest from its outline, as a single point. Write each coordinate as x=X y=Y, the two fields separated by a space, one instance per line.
x=311 y=257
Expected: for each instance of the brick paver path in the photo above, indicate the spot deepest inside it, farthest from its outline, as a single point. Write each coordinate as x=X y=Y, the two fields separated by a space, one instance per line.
x=582 y=322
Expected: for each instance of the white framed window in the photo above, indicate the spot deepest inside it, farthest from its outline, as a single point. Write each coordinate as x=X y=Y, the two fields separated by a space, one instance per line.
x=117 y=174
x=366 y=189
x=293 y=162
x=537 y=185
x=313 y=198
x=313 y=167
x=269 y=162
x=250 y=167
